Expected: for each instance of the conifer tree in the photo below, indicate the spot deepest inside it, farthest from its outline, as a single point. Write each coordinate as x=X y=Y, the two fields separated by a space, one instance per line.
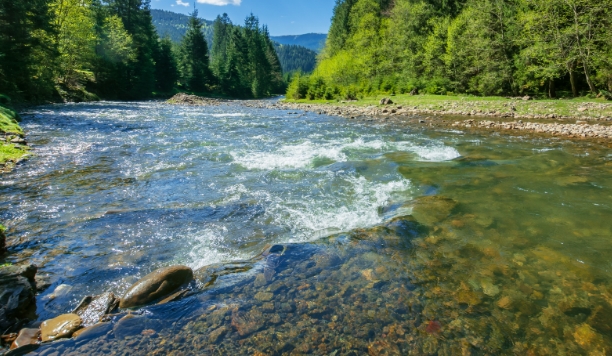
x=166 y=68
x=194 y=65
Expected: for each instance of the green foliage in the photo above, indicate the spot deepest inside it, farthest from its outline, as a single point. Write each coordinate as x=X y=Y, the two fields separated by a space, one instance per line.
x=166 y=67
x=296 y=58
x=25 y=51
x=480 y=47
x=194 y=61
x=9 y=126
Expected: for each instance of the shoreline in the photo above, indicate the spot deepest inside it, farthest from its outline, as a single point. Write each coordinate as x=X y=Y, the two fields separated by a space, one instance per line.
x=553 y=124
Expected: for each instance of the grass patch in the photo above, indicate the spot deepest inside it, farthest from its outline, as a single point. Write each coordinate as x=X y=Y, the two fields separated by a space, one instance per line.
x=577 y=107
x=9 y=121
x=9 y=127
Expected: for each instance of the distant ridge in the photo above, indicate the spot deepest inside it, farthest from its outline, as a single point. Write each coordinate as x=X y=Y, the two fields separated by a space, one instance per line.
x=174 y=25
x=313 y=41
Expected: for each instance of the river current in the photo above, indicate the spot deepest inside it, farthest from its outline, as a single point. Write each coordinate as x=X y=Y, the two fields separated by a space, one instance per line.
x=509 y=250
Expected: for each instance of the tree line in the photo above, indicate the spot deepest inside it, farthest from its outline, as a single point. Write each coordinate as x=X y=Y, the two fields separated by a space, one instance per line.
x=86 y=49
x=479 y=47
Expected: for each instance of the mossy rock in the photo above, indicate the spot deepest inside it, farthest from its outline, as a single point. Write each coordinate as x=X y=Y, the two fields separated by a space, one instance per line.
x=430 y=210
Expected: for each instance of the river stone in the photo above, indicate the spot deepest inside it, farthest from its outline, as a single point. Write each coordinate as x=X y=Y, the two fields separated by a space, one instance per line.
x=17 y=294
x=26 y=337
x=93 y=332
x=208 y=275
x=92 y=309
x=429 y=210
x=61 y=327
x=156 y=285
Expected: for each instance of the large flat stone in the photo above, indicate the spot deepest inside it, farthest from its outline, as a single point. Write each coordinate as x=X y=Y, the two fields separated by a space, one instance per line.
x=156 y=285
x=61 y=327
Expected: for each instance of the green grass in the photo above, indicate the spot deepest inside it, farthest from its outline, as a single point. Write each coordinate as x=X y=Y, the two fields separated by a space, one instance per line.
x=9 y=126
x=566 y=107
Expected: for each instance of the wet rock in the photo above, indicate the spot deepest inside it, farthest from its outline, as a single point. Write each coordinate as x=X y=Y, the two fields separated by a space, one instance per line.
x=186 y=99
x=92 y=309
x=264 y=296
x=93 y=331
x=174 y=297
x=156 y=285
x=430 y=210
x=26 y=337
x=17 y=294
x=327 y=260
x=61 y=327
x=406 y=227
x=247 y=323
x=208 y=275
x=129 y=325
x=217 y=334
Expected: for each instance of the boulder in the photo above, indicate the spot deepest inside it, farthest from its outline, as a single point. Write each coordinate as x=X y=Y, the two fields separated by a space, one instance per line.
x=17 y=295
x=429 y=210
x=61 y=327
x=92 y=309
x=156 y=285
x=26 y=337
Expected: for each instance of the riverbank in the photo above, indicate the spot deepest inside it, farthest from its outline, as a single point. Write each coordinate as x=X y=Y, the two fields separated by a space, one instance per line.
x=13 y=146
x=570 y=118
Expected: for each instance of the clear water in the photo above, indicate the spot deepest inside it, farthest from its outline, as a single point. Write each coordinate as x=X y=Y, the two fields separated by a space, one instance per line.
x=117 y=190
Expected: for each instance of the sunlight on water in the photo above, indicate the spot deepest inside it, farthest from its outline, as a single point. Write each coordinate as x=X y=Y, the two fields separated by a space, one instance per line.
x=507 y=250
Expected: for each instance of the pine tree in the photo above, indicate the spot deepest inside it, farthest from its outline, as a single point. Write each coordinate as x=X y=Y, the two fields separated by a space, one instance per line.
x=166 y=69
x=194 y=65
x=25 y=50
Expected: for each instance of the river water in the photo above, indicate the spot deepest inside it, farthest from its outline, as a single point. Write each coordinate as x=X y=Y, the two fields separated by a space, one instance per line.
x=508 y=250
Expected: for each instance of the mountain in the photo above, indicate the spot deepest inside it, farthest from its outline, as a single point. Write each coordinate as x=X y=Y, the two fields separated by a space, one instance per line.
x=294 y=52
x=294 y=58
x=313 y=41
x=174 y=25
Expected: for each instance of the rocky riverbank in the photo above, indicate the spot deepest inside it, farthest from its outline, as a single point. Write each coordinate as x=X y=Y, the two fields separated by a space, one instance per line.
x=577 y=126
x=186 y=99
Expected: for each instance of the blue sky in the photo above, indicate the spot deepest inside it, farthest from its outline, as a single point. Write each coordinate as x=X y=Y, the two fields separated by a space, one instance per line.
x=283 y=17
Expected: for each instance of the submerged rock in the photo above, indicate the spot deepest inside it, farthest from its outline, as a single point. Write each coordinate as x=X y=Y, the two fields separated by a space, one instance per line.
x=433 y=209
x=61 y=327
x=17 y=294
x=92 y=309
x=26 y=337
x=156 y=285
x=208 y=275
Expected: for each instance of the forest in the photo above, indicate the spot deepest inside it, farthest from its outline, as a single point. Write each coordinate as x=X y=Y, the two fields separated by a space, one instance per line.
x=552 y=48
x=77 y=50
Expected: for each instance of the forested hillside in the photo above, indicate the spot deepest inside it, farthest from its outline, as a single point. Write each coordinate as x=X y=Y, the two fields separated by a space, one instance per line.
x=296 y=58
x=88 y=49
x=293 y=56
x=312 y=41
x=173 y=25
x=481 y=47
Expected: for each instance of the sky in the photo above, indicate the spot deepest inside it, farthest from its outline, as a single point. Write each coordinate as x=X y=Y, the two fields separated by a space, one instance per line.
x=283 y=17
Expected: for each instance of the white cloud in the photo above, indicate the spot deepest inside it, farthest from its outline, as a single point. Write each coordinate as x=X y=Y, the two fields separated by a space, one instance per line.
x=220 y=2
x=179 y=2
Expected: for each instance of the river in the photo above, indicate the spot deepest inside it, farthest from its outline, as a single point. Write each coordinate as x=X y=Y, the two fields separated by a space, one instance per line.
x=509 y=250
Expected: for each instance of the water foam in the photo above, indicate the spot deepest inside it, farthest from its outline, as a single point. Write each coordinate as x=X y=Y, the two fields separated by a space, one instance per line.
x=344 y=203
x=302 y=155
